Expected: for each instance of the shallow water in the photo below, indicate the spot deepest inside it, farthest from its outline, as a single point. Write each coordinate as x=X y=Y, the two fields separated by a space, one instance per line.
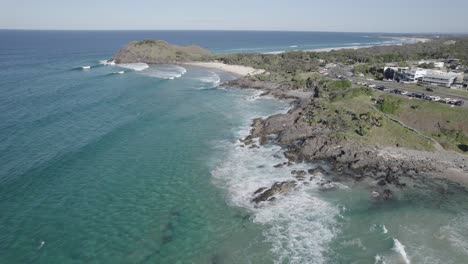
x=143 y=165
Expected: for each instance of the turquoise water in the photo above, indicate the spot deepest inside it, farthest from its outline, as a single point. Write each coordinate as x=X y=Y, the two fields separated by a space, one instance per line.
x=145 y=167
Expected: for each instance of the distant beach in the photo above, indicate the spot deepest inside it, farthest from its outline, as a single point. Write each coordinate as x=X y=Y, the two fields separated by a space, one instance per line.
x=404 y=40
x=236 y=69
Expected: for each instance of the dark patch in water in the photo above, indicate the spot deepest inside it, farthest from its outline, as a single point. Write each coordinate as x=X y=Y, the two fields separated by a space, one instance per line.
x=216 y=259
x=167 y=238
x=147 y=258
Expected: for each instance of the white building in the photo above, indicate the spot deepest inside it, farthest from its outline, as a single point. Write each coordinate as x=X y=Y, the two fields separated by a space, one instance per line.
x=445 y=79
x=410 y=75
x=432 y=77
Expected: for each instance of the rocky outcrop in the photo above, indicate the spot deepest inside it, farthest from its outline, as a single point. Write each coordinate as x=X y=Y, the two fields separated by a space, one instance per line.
x=268 y=194
x=160 y=52
x=310 y=143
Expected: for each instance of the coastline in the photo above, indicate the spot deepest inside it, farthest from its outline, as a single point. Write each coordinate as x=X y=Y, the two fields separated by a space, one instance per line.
x=350 y=160
x=239 y=70
x=405 y=40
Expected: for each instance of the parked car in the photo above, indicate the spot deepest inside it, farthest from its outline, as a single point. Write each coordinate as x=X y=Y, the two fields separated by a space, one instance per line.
x=372 y=85
x=459 y=103
x=404 y=93
x=429 y=89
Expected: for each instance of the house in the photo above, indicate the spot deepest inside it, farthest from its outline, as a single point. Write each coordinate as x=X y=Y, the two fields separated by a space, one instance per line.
x=445 y=79
x=410 y=75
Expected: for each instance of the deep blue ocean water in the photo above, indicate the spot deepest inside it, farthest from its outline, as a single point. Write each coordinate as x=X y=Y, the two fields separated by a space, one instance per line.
x=145 y=166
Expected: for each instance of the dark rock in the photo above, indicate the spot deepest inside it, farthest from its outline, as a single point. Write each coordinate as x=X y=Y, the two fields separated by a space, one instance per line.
x=260 y=190
x=382 y=183
x=277 y=188
x=317 y=170
x=387 y=194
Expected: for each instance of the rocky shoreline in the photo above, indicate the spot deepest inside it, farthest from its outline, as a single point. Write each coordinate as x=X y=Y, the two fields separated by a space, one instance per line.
x=384 y=168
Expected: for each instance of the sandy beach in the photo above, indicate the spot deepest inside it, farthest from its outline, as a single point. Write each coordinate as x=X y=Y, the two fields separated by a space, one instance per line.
x=405 y=40
x=236 y=69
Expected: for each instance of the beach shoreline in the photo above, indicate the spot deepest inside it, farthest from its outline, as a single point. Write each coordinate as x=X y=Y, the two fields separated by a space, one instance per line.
x=405 y=40
x=239 y=70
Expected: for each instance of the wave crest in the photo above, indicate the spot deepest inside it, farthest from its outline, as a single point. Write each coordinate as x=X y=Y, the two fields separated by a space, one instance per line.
x=134 y=66
x=167 y=72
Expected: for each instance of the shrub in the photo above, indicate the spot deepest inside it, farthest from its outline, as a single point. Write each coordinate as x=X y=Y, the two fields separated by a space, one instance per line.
x=390 y=104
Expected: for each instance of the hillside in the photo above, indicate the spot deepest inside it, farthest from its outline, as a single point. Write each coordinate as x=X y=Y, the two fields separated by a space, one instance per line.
x=159 y=52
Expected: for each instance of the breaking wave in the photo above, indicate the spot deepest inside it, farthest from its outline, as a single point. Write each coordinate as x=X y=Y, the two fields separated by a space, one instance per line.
x=300 y=224
x=399 y=248
x=255 y=96
x=107 y=62
x=119 y=72
x=212 y=79
x=167 y=72
x=134 y=66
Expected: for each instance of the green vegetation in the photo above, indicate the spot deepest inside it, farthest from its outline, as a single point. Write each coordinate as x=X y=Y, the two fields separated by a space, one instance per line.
x=350 y=112
x=158 y=51
x=390 y=104
x=294 y=61
x=447 y=125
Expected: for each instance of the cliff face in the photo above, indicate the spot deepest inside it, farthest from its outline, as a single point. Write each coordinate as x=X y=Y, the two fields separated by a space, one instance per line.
x=159 y=52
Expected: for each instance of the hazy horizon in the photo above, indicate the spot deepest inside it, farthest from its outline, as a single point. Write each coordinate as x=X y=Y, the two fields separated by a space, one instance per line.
x=398 y=16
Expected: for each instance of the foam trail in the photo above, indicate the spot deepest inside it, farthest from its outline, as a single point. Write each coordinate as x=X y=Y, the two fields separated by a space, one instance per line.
x=299 y=225
x=213 y=79
x=255 y=96
x=400 y=249
x=119 y=72
x=379 y=260
x=86 y=67
x=167 y=72
x=107 y=62
x=384 y=229
x=134 y=66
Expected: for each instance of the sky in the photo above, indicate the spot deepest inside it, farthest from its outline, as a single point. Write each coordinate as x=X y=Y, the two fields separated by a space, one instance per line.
x=398 y=16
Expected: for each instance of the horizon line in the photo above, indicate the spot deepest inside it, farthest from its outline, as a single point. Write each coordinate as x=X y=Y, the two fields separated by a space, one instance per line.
x=241 y=30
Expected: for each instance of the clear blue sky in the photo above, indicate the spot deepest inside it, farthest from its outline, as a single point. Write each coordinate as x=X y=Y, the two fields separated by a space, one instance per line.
x=309 y=15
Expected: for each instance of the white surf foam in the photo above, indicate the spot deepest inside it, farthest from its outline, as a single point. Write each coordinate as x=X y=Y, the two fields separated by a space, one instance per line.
x=293 y=46
x=399 y=248
x=212 y=78
x=107 y=62
x=255 y=96
x=86 y=67
x=379 y=260
x=167 y=72
x=134 y=66
x=300 y=224
x=456 y=232
x=384 y=229
x=119 y=72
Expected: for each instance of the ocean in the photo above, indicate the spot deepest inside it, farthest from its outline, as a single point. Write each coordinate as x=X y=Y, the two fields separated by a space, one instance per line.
x=137 y=164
